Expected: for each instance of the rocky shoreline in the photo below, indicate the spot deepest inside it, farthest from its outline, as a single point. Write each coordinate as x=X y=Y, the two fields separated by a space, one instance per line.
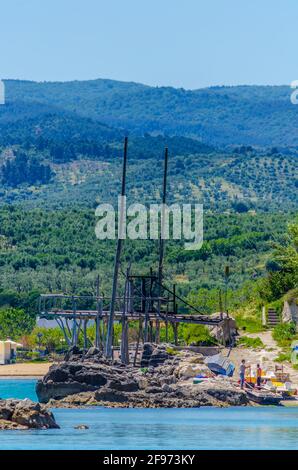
x=25 y=414
x=164 y=380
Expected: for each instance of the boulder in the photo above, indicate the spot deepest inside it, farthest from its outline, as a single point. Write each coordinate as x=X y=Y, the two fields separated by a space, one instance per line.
x=92 y=352
x=127 y=386
x=25 y=414
x=91 y=378
x=146 y=355
x=108 y=395
x=47 y=390
x=187 y=370
x=158 y=357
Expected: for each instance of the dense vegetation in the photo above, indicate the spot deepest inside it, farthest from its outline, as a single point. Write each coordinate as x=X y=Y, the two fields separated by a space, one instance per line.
x=22 y=169
x=57 y=251
x=221 y=181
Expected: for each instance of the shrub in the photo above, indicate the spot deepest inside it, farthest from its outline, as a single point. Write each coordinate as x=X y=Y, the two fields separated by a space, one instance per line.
x=251 y=342
x=172 y=351
x=250 y=324
x=283 y=357
x=199 y=335
x=284 y=333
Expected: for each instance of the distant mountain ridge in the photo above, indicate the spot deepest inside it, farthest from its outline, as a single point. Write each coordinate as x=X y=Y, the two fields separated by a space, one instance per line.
x=227 y=145
x=220 y=116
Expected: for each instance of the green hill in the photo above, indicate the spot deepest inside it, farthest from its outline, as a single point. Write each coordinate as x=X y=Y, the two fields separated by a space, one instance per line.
x=251 y=115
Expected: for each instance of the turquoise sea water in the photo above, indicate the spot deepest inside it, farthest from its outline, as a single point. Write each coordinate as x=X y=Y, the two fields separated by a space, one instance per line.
x=204 y=428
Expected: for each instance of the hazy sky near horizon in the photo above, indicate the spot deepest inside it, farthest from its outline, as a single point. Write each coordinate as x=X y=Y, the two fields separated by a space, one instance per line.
x=181 y=43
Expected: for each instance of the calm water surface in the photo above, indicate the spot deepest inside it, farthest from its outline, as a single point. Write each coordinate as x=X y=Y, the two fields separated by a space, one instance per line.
x=204 y=428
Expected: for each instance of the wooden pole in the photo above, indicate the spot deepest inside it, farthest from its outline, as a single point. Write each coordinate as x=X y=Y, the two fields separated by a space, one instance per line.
x=97 y=321
x=161 y=239
x=220 y=304
x=227 y=274
x=74 y=323
x=124 y=334
x=109 y=341
x=149 y=307
x=175 y=328
x=138 y=340
x=167 y=322
x=164 y=198
x=85 y=334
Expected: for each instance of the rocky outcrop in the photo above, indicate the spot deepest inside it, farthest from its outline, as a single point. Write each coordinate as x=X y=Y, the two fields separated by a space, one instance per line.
x=153 y=355
x=25 y=414
x=290 y=311
x=226 y=331
x=164 y=382
x=166 y=396
x=84 y=375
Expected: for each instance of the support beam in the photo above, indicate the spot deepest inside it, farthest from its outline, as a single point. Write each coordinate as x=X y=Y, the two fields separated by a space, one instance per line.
x=175 y=328
x=138 y=341
x=74 y=323
x=85 y=334
x=98 y=342
x=124 y=334
x=61 y=325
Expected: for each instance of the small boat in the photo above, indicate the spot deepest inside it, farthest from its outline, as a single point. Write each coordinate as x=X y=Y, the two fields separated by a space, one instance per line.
x=220 y=365
x=264 y=398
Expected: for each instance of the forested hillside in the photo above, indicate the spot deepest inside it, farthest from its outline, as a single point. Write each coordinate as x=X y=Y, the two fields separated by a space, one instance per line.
x=227 y=145
x=57 y=251
x=235 y=181
x=250 y=115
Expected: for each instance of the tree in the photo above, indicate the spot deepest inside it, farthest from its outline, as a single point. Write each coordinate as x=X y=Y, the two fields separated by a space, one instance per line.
x=14 y=323
x=51 y=339
x=286 y=257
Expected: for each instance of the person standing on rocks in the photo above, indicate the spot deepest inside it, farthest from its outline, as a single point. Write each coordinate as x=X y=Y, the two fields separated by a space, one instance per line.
x=242 y=370
x=259 y=376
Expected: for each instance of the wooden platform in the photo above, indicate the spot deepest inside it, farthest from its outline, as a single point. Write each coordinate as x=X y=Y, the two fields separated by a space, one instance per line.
x=135 y=316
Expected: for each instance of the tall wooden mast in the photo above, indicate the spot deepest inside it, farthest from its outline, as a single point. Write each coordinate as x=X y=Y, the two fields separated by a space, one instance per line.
x=109 y=341
x=161 y=236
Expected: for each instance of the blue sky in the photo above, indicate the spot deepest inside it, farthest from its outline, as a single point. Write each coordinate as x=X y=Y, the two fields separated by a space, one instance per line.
x=181 y=43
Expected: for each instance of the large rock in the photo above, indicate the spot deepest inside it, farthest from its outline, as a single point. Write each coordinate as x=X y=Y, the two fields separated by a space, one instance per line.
x=224 y=332
x=146 y=355
x=47 y=390
x=74 y=378
x=158 y=357
x=123 y=386
x=109 y=395
x=189 y=370
x=25 y=414
x=290 y=311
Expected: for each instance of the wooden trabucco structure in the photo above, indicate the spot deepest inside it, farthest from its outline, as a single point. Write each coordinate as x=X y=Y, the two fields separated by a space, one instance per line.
x=139 y=303
x=145 y=300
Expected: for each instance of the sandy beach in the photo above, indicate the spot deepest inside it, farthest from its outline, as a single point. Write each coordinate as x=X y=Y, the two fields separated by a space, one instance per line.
x=25 y=369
